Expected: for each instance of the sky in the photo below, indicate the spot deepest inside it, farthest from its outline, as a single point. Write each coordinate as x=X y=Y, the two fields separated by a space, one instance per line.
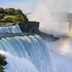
x=28 y=5
x=25 y=5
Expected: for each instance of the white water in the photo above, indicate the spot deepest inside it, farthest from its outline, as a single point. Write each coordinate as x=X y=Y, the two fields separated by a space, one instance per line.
x=10 y=29
x=16 y=64
x=25 y=53
x=61 y=57
x=26 y=49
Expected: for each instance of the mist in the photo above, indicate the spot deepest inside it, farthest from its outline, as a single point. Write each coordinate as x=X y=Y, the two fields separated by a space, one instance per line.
x=42 y=12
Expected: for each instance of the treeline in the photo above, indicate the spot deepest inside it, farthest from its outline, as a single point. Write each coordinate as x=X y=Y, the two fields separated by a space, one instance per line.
x=11 y=16
x=11 y=11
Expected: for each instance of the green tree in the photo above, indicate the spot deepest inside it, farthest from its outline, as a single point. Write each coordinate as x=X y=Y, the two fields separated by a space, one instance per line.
x=2 y=62
x=18 y=11
x=11 y=16
x=10 y=11
x=1 y=68
x=1 y=10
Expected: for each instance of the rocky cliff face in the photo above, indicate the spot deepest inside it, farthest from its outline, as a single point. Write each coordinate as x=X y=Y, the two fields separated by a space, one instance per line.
x=33 y=26
x=30 y=26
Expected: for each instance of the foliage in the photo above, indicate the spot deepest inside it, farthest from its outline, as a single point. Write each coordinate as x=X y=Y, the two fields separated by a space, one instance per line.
x=1 y=68
x=2 y=62
x=1 y=10
x=11 y=16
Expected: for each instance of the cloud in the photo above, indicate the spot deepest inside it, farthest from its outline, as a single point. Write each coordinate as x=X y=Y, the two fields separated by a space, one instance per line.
x=42 y=13
x=59 y=5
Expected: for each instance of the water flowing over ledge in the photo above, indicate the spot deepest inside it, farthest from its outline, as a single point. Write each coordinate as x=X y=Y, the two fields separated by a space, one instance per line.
x=26 y=46
x=4 y=35
x=30 y=47
x=27 y=52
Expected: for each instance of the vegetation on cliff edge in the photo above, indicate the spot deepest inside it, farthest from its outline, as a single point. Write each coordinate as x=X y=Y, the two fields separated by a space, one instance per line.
x=10 y=16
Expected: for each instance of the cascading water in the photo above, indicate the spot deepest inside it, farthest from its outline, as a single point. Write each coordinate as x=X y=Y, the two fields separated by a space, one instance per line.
x=16 y=64
x=25 y=53
x=31 y=48
x=10 y=29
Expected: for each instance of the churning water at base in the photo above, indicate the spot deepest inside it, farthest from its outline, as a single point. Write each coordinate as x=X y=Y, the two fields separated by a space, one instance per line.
x=16 y=64
x=28 y=54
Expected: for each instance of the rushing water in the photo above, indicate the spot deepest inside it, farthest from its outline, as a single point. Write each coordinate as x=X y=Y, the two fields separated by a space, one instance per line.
x=16 y=64
x=25 y=53
x=10 y=29
x=31 y=48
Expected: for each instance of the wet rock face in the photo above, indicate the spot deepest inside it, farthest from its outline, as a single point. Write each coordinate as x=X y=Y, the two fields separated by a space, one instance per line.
x=23 y=26
x=47 y=37
x=30 y=26
x=33 y=27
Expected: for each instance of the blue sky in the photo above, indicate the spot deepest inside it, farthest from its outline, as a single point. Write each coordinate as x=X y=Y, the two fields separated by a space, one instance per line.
x=28 y=5
x=25 y=5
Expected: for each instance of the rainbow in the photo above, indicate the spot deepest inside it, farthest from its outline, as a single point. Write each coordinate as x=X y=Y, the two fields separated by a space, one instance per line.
x=66 y=43
x=64 y=46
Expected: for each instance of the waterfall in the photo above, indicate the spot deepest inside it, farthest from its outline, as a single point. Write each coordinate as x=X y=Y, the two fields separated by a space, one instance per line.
x=16 y=64
x=24 y=53
x=10 y=29
x=26 y=49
